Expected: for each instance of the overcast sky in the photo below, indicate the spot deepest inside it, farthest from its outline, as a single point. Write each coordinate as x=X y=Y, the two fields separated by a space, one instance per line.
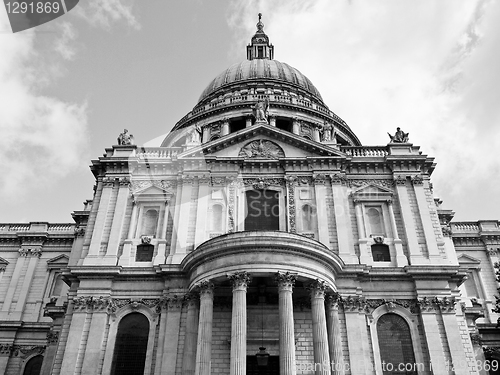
x=69 y=87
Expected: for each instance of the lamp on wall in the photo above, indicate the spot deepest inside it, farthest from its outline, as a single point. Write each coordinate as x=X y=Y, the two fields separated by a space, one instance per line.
x=262 y=355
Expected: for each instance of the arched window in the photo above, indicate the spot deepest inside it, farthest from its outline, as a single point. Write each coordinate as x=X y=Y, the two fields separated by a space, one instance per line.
x=375 y=220
x=131 y=345
x=395 y=344
x=216 y=222
x=308 y=218
x=34 y=366
x=381 y=253
x=150 y=223
x=262 y=210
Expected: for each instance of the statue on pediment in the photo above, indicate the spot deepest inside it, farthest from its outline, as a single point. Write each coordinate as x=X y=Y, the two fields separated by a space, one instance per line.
x=261 y=110
x=125 y=138
x=399 y=136
x=194 y=135
x=327 y=131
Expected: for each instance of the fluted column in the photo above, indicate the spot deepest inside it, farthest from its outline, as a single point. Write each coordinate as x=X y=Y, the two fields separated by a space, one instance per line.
x=334 y=338
x=287 y=338
x=238 y=364
x=320 y=338
x=204 y=346
x=188 y=366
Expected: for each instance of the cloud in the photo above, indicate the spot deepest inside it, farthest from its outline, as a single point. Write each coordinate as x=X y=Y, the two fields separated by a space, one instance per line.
x=42 y=137
x=63 y=45
x=103 y=13
x=428 y=67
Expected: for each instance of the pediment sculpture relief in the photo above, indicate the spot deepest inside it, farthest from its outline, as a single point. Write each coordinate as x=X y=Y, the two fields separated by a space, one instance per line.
x=262 y=149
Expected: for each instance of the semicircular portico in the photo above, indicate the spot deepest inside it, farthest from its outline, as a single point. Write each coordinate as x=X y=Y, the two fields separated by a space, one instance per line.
x=262 y=253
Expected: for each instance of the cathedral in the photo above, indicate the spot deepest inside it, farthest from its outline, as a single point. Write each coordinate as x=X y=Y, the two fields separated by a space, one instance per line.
x=259 y=237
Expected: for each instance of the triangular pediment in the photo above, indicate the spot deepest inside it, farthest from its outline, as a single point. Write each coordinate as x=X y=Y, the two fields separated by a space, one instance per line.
x=266 y=141
x=59 y=261
x=466 y=259
x=372 y=192
x=151 y=187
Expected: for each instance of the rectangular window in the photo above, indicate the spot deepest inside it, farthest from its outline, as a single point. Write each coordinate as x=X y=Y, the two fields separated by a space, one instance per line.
x=262 y=210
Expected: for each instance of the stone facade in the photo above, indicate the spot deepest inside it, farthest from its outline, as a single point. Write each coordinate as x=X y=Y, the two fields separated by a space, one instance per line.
x=260 y=225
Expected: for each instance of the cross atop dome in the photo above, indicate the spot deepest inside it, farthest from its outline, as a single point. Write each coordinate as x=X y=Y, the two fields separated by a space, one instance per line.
x=259 y=48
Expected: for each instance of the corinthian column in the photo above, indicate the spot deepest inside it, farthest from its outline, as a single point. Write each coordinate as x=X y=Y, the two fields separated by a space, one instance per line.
x=334 y=338
x=287 y=338
x=320 y=339
x=204 y=346
x=238 y=365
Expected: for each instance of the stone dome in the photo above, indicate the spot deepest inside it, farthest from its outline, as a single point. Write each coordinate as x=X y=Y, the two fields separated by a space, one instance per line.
x=276 y=73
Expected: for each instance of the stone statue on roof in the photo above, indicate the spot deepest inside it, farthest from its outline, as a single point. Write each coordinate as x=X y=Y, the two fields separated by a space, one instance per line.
x=125 y=138
x=399 y=137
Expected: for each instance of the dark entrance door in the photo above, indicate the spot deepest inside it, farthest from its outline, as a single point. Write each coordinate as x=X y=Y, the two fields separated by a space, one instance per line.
x=272 y=368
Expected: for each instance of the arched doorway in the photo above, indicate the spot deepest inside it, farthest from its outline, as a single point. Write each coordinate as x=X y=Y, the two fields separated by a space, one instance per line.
x=33 y=366
x=129 y=355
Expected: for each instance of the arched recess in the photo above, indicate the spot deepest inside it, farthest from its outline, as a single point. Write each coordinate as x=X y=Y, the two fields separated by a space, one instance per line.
x=33 y=365
x=114 y=325
x=411 y=320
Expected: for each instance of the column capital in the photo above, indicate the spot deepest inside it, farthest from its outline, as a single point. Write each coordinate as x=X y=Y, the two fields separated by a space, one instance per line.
x=285 y=280
x=239 y=280
x=205 y=288
x=332 y=301
x=317 y=288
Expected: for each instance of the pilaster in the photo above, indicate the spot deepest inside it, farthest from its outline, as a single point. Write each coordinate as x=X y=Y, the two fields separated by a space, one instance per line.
x=193 y=306
x=320 y=182
x=171 y=341
x=342 y=219
x=416 y=256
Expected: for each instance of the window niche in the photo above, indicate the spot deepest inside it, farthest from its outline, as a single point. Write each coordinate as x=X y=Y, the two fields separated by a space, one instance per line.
x=147 y=228
x=56 y=288
x=376 y=228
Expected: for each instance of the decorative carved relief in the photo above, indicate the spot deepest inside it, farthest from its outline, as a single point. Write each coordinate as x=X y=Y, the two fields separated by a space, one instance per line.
x=357 y=303
x=290 y=183
x=261 y=183
x=365 y=182
x=230 y=208
x=111 y=305
x=205 y=287
x=261 y=149
x=24 y=351
x=445 y=304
